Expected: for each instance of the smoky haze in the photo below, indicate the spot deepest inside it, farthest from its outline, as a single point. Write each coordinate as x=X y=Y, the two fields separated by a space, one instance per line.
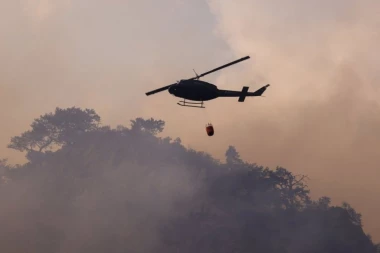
x=125 y=189
x=319 y=116
x=93 y=199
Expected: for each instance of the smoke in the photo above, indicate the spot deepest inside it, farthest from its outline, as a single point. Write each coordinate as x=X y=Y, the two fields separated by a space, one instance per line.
x=320 y=116
x=107 y=207
x=135 y=204
x=98 y=54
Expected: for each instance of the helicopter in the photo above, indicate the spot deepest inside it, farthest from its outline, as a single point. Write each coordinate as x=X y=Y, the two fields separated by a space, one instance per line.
x=198 y=91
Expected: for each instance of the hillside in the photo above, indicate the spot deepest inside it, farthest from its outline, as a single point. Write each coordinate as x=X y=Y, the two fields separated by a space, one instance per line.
x=91 y=188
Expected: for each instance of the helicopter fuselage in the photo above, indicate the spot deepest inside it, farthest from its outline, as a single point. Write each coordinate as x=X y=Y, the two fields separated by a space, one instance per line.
x=200 y=91
x=195 y=90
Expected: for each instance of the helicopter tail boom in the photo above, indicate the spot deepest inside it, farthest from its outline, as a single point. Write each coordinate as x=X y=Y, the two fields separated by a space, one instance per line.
x=243 y=93
x=259 y=92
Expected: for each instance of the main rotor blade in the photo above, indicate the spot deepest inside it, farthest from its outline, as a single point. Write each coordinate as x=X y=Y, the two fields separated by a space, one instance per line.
x=221 y=67
x=158 y=90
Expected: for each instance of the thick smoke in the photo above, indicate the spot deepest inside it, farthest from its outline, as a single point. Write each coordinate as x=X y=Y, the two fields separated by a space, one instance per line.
x=100 y=206
x=320 y=115
x=124 y=189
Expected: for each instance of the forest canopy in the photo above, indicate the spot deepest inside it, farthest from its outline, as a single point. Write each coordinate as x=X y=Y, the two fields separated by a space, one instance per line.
x=91 y=188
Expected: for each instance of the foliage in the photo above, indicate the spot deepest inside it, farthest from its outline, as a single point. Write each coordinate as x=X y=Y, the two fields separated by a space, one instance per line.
x=292 y=188
x=127 y=190
x=151 y=125
x=232 y=156
x=57 y=129
x=356 y=217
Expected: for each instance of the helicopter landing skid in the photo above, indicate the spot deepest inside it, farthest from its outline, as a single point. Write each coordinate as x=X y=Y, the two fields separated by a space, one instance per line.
x=191 y=104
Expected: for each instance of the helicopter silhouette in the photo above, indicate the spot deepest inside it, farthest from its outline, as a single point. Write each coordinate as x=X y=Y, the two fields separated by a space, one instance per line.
x=198 y=91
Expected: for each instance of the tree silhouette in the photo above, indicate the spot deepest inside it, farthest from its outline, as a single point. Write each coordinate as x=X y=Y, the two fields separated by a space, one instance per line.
x=356 y=218
x=111 y=189
x=323 y=203
x=150 y=126
x=232 y=156
x=293 y=189
x=55 y=129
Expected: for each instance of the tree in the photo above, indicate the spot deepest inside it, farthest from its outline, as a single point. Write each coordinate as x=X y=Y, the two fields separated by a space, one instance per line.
x=57 y=129
x=356 y=218
x=150 y=126
x=3 y=163
x=177 y=141
x=323 y=203
x=4 y=169
x=293 y=190
x=232 y=156
x=377 y=247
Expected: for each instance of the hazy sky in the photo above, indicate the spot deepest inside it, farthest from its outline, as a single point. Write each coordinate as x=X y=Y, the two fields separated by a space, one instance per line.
x=320 y=116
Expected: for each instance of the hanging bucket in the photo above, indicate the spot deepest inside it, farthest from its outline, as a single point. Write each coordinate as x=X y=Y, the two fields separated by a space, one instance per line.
x=210 y=130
